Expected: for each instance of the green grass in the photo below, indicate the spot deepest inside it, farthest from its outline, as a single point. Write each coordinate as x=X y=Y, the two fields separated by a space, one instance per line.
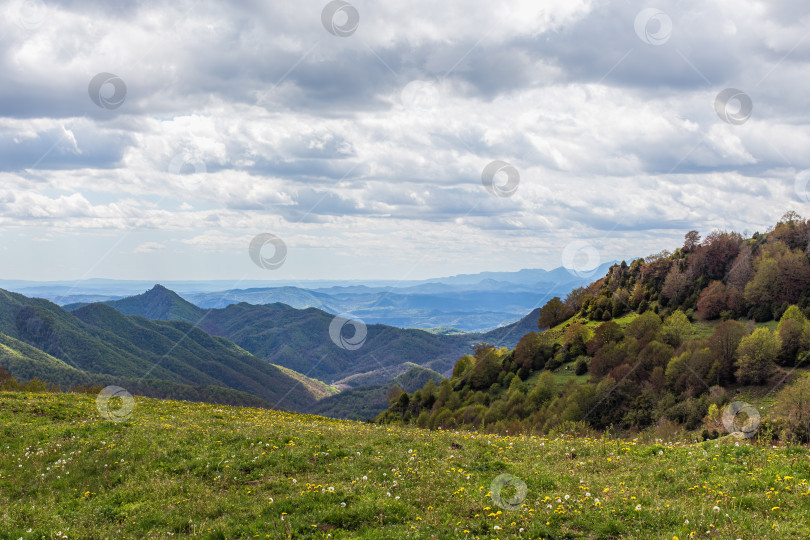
x=563 y=375
x=178 y=469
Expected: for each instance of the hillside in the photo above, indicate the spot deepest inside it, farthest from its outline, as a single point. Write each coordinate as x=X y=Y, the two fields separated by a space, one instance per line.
x=368 y=400
x=508 y=335
x=155 y=357
x=26 y=362
x=299 y=338
x=669 y=339
x=177 y=469
x=158 y=303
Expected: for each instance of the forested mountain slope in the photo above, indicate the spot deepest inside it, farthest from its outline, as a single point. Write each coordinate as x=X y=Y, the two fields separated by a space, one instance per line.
x=97 y=340
x=669 y=338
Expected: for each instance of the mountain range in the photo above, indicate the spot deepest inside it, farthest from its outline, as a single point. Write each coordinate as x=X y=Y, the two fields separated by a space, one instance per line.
x=299 y=339
x=467 y=302
x=97 y=344
x=158 y=344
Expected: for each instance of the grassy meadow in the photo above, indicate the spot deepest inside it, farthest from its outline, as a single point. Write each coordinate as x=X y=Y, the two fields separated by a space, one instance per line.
x=177 y=469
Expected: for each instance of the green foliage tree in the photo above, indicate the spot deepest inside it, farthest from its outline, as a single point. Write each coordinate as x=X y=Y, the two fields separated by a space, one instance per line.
x=756 y=356
x=763 y=289
x=794 y=334
x=644 y=326
x=533 y=349
x=689 y=372
x=485 y=371
x=575 y=338
x=793 y=407
x=620 y=302
x=723 y=345
x=462 y=366
x=543 y=390
x=676 y=329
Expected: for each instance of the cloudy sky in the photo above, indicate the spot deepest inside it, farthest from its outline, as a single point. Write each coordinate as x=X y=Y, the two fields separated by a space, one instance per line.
x=156 y=140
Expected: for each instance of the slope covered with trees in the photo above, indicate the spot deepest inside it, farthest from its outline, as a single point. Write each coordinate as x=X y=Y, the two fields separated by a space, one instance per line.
x=96 y=344
x=665 y=339
x=299 y=338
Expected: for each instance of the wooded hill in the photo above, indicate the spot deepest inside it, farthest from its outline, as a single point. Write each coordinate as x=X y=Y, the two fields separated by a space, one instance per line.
x=98 y=345
x=299 y=338
x=665 y=339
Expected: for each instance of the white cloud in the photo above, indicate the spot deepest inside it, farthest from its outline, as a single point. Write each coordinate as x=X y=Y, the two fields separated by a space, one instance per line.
x=242 y=118
x=149 y=247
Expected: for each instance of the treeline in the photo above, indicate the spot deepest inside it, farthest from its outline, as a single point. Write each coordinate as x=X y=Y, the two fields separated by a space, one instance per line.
x=648 y=367
x=9 y=384
x=146 y=387
x=723 y=276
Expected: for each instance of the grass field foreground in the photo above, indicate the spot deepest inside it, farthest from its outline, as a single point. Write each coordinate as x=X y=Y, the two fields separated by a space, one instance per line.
x=191 y=469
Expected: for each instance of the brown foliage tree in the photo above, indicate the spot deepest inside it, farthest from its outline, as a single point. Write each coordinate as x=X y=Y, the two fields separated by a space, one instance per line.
x=713 y=300
x=553 y=313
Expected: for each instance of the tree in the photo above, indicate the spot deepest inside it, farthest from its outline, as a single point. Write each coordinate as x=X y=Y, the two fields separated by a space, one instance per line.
x=576 y=298
x=794 y=333
x=605 y=333
x=638 y=296
x=675 y=285
x=533 y=349
x=756 y=356
x=485 y=372
x=654 y=354
x=789 y=217
x=689 y=372
x=713 y=300
x=428 y=394
x=464 y=363
x=676 y=329
x=793 y=406
x=644 y=326
x=793 y=337
x=794 y=276
x=721 y=250
x=763 y=288
x=553 y=313
x=793 y=230
x=690 y=241
x=620 y=303
x=574 y=339
x=607 y=358
x=742 y=270
x=723 y=345
x=654 y=257
x=394 y=392
x=543 y=390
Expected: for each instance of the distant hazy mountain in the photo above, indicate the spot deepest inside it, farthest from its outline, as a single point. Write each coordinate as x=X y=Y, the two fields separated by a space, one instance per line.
x=469 y=310
x=530 y=277
x=469 y=302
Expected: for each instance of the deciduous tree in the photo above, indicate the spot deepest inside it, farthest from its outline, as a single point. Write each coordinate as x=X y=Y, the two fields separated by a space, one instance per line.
x=756 y=356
